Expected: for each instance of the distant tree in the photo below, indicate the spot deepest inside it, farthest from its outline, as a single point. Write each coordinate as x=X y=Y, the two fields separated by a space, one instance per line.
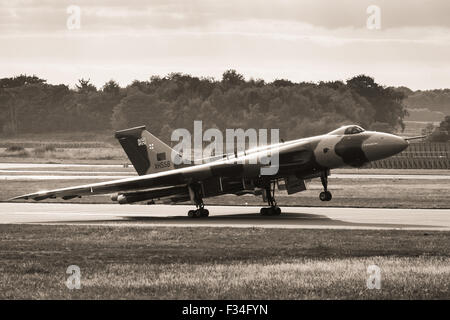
x=387 y=103
x=333 y=84
x=138 y=108
x=85 y=86
x=232 y=78
x=428 y=130
x=8 y=111
x=364 y=85
x=111 y=87
x=282 y=83
x=15 y=100
x=405 y=90
x=445 y=124
x=441 y=133
x=24 y=107
x=29 y=104
x=19 y=81
x=439 y=136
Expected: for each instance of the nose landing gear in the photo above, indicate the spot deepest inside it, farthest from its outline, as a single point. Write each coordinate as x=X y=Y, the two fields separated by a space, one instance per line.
x=273 y=210
x=325 y=195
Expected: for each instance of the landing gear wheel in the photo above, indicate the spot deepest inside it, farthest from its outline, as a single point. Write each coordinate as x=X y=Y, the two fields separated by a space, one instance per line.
x=199 y=213
x=325 y=196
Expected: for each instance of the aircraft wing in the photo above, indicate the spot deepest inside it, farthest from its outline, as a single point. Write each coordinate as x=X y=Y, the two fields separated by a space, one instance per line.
x=228 y=167
x=160 y=179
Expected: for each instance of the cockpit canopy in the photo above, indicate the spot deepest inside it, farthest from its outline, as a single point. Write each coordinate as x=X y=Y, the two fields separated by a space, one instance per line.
x=351 y=129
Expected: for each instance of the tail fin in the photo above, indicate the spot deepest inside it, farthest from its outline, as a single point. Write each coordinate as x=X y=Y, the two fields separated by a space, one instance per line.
x=146 y=152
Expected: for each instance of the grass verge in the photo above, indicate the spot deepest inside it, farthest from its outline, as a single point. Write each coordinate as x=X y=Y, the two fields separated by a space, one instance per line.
x=221 y=263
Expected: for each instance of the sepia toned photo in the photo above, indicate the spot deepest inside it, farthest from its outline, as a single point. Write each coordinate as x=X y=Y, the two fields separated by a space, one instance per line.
x=204 y=151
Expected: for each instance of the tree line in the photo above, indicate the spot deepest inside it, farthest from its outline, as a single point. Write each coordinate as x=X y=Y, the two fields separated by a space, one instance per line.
x=28 y=104
x=434 y=100
x=440 y=133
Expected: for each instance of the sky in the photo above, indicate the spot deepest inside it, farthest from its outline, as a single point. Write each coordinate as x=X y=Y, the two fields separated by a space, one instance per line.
x=299 y=40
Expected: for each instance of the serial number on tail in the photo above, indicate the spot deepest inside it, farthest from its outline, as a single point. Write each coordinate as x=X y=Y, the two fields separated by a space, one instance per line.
x=162 y=164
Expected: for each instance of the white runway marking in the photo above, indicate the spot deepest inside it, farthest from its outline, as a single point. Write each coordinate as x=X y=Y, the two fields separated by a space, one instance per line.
x=226 y=216
x=390 y=176
x=65 y=177
x=62 y=172
x=55 y=165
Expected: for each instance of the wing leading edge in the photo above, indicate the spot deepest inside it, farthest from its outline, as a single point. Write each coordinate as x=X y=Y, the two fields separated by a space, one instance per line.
x=160 y=179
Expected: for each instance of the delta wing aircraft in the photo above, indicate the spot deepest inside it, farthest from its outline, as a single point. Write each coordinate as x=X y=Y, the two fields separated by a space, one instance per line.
x=299 y=161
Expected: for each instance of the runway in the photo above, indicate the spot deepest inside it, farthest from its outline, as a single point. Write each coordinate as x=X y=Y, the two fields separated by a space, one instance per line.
x=42 y=172
x=102 y=176
x=225 y=216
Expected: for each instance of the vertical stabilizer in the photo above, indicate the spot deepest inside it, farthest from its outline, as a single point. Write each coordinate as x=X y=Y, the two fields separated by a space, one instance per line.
x=146 y=152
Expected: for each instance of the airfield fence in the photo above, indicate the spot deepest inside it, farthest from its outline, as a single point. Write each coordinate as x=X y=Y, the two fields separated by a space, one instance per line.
x=419 y=155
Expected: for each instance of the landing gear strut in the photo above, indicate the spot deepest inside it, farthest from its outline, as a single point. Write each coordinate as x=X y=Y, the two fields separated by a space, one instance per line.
x=273 y=210
x=200 y=212
x=325 y=195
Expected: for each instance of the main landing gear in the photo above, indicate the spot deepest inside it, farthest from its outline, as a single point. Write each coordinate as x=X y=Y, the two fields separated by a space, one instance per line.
x=273 y=210
x=200 y=212
x=325 y=195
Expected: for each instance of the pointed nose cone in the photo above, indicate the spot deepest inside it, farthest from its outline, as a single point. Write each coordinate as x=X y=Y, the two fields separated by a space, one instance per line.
x=383 y=145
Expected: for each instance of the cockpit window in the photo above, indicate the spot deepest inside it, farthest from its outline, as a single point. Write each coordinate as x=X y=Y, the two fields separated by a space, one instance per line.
x=352 y=129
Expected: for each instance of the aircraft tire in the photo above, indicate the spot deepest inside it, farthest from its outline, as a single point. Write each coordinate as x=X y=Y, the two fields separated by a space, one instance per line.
x=197 y=213
x=328 y=196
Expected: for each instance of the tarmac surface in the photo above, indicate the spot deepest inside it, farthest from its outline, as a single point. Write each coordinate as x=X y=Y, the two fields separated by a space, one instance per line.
x=225 y=216
x=41 y=171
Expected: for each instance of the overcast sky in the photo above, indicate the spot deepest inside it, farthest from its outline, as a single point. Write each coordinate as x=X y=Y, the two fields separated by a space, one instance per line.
x=301 y=40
